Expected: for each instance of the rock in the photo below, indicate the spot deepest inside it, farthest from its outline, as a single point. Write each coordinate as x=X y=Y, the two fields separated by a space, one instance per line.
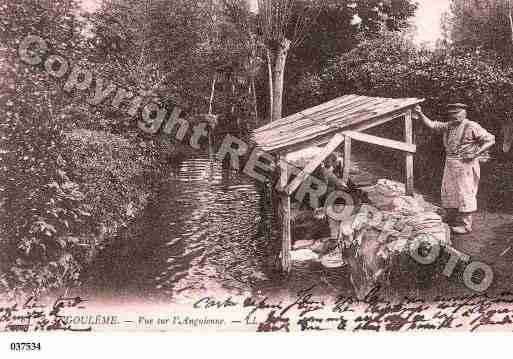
x=411 y=217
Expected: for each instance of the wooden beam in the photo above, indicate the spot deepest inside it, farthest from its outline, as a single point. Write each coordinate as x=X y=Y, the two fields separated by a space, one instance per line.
x=286 y=245
x=408 y=136
x=380 y=141
x=312 y=166
x=347 y=159
x=286 y=248
x=284 y=174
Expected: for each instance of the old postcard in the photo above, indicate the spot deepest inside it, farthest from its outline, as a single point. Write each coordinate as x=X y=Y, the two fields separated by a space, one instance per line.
x=256 y=166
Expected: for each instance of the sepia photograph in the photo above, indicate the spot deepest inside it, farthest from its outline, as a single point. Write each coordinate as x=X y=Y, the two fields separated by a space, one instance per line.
x=213 y=166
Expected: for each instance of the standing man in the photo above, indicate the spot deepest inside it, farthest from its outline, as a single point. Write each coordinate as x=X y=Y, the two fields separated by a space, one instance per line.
x=465 y=141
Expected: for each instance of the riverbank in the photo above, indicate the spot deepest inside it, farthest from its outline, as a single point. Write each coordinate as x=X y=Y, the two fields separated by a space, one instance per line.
x=102 y=183
x=121 y=179
x=116 y=175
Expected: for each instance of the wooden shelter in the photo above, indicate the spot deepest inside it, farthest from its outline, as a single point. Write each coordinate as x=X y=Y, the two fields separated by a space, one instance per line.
x=330 y=125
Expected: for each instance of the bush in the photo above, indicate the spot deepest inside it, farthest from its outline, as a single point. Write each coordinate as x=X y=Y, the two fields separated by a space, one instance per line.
x=61 y=195
x=52 y=230
x=393 y=66
x=113 y=172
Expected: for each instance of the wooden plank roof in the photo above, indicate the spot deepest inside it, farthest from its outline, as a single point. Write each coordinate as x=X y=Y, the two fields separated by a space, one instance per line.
x=350 y=112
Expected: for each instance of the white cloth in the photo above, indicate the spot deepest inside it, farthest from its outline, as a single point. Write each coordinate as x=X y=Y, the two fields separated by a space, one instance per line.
x=460 y=184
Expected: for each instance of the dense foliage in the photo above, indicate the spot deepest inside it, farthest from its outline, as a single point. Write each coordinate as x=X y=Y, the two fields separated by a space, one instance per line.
x=42 y=206
x=341 y=26
x=393 y=66
x=486 y=24
x=61 y=194
x=158 y=47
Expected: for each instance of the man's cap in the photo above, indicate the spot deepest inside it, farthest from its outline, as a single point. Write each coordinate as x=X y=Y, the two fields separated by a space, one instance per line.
x=456 y=107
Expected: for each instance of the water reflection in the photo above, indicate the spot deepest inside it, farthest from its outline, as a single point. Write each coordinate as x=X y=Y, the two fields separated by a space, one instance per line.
x=206 y=235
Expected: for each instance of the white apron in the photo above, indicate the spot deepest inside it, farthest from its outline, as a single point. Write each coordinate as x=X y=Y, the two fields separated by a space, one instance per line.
x=461 y=179
x=460 y=184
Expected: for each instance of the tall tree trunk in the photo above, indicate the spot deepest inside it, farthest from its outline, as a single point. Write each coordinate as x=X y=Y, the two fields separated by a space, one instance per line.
x=232 y=110
x=510 y=19
x=510 y=22
x=278 y=76
x=270 y=76
x=254 y=100
x=507 y=127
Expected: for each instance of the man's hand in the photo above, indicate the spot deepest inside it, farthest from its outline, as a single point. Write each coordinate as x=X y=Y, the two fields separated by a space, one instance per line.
x=417 y=111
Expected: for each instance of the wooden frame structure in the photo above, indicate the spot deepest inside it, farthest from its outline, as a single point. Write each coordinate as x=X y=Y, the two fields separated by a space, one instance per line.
x=331 y=124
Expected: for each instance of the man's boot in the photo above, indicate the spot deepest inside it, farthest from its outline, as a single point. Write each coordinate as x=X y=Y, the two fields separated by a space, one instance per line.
x=464 y=224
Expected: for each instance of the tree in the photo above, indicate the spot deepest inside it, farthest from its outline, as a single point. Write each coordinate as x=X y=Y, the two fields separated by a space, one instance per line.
x=282 y=25
x=236 y=59
x=341 y=27
x=315 y=31
x=157 y=47
x=486 y=24
x=41 y=205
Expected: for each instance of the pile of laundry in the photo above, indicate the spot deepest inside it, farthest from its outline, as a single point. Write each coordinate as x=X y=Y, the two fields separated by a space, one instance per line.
x=406 y=218
x=403 y=218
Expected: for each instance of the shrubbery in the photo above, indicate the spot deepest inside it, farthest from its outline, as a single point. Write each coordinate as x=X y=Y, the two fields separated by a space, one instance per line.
x=64 y=190
x=66 y=185
x=393 y=66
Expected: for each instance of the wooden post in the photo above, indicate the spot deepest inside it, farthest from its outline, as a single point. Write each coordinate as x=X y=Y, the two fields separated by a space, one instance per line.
x=408 y=136
x=286 y=247
x=286 y=262
x=212 y=90
x=211 y=127
x=211 y=151
x=347 y=159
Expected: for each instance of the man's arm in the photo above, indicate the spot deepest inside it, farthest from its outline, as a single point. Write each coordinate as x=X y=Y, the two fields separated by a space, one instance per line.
x=485 y=147
x=486 y=141
x=434 y=125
